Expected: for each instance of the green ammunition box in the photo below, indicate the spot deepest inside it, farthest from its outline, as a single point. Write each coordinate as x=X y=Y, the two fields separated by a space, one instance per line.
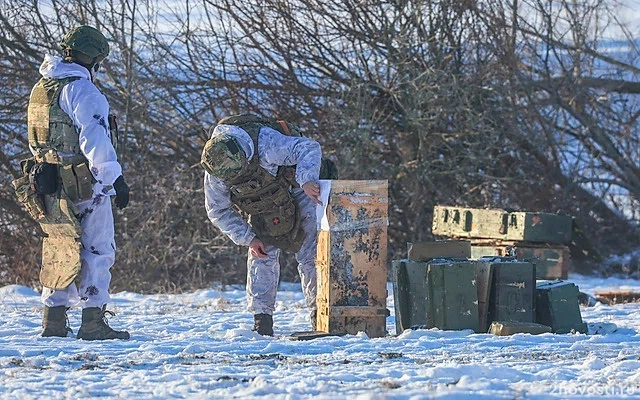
x=452 y=297
x=484 y=281
x=460 y=222
x=557 y=306
x=513 y=290
x=552 y=261
x=409 y=293
x=506 y=328
x=426 y=251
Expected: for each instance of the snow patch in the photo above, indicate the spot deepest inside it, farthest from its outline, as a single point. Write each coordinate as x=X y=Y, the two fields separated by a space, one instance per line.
x=17 y=290
x=243 y=334
x=200 y=345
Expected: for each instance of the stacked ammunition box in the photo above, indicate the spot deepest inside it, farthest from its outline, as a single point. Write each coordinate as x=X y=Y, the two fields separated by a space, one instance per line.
x=528 y=236
x=511 y=290
x=435 y=287
x=439 y=286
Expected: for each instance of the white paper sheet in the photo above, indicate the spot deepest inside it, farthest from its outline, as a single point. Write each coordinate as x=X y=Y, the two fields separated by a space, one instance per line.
x=321 y=210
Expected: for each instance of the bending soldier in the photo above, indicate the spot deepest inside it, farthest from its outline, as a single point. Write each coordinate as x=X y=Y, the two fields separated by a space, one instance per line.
x=271 y=176
x=73 y=174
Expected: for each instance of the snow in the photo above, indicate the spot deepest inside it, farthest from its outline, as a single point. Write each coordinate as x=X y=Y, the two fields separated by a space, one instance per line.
x=200 y=345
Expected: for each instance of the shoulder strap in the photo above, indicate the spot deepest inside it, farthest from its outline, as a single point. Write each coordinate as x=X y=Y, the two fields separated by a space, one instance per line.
x=47 y=90
x=285 y=127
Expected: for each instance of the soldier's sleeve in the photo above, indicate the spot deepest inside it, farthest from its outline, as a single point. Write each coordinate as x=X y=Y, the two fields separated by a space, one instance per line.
x=279 y=149
x=223 y=214
x=89 y=111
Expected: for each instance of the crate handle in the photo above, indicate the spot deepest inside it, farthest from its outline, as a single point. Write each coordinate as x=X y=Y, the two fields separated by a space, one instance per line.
x=504 y=226
x=468 y=221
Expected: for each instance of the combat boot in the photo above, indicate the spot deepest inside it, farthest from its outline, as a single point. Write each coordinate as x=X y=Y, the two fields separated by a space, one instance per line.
x=55 y=322
x=263 y=324
x=95 y=327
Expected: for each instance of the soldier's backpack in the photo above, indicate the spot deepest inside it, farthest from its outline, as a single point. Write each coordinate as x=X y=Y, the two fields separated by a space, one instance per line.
x=328 y=169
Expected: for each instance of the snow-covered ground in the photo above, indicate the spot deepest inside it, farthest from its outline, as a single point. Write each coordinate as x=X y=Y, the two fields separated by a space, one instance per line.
x=200 y=345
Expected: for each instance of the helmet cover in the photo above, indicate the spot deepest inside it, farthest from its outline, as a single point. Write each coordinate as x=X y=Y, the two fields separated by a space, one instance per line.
x=223 y=157
x=88 y=41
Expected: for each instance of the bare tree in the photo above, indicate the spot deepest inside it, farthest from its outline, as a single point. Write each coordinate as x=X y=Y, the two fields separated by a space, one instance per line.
x=166 y=242
x=506 y=103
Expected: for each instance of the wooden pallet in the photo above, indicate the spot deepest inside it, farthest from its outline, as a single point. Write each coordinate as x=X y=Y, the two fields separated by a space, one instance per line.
x=618 y=297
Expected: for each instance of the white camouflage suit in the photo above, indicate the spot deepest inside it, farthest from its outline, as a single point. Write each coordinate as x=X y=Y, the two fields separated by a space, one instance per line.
x=275 y=150
x=89 y=111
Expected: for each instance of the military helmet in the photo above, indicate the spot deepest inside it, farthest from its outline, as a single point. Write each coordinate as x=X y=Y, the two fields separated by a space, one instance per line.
x=223 y=157
x=88 y=41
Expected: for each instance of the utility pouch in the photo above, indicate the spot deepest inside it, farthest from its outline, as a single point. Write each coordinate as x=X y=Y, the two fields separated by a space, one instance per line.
x=273 y=223
x=44 y=178
x=77 y=181
x=29 y=198
x=280 y=228
x=61 y=246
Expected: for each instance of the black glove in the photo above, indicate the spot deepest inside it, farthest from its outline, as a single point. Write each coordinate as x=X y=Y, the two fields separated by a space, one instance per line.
x=122 y=192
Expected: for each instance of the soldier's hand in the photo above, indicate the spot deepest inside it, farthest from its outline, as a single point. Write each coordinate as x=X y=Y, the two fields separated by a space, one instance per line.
x=312 y=190
x=122 y=192
x=257 y=248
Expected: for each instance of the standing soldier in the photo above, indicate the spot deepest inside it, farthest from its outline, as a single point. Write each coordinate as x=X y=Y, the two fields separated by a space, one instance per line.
x=268 y=172
x=68 y=184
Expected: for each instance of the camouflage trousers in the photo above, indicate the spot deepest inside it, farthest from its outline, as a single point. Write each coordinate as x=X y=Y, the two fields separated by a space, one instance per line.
x=98 y=255
x=263 y=273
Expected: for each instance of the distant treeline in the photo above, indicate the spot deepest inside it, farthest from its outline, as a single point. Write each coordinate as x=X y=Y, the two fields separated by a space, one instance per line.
x=516 y=104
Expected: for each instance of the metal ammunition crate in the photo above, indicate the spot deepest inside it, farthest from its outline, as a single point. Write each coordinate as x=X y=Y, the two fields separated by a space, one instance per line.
x=425 y=251
x=409 y=293
x=452 y=297
x=552 y=261
x=513 y=290
x=460 y=222
x=557 y=306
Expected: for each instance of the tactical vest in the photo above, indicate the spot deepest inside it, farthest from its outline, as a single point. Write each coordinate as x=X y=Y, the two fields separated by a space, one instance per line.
x=55 y=139
x=50 y=128
x=274 y=214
